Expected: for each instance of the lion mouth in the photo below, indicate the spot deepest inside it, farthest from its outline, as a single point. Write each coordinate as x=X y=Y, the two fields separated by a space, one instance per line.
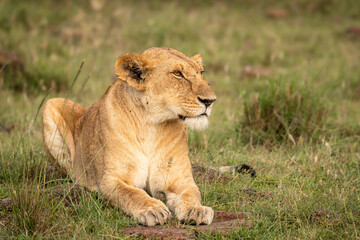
x=198 y=116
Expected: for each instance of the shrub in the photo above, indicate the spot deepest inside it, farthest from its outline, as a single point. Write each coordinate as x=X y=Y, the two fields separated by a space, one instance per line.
x=282 y=111
x=32 y=81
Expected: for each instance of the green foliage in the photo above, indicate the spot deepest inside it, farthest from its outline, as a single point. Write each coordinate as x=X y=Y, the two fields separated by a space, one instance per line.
x=33 y=81
x=283 y=111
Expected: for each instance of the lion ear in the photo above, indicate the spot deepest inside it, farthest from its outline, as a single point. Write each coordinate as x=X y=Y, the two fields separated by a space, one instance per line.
x=132 y=68
x=198 y=58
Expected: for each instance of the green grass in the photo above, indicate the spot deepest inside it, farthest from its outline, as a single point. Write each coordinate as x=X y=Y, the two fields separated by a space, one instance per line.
x=314 y=87
x=283 y=110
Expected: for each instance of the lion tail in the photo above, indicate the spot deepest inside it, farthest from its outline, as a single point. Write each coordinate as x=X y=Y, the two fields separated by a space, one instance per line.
x=59 y=117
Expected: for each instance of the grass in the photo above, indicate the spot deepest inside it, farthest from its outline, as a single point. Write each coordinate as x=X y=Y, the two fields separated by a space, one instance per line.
x=312 y=186
x=282 y=110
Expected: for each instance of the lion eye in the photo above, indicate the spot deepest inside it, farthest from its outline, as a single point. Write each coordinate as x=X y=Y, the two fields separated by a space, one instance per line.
x=178 y=74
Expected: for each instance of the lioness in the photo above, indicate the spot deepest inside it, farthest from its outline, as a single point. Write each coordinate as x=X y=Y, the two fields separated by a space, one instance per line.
x=132 y=143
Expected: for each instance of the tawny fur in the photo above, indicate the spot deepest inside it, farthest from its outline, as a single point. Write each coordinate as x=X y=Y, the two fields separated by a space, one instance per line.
x=131 y=145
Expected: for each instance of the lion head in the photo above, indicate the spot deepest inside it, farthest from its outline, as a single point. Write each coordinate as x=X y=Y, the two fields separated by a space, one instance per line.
x=170 y=85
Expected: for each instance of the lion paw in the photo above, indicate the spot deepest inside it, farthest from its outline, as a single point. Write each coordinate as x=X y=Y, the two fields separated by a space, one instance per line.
x=195 y=214
x=154 y=214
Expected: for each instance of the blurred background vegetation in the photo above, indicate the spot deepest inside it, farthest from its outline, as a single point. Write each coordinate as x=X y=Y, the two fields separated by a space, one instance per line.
x=287 y=78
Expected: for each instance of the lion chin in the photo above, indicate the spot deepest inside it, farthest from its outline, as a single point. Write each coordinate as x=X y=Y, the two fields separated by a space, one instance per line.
x=197 y=123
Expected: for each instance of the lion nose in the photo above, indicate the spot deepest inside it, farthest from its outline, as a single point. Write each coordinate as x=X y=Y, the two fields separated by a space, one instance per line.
x=206 y=102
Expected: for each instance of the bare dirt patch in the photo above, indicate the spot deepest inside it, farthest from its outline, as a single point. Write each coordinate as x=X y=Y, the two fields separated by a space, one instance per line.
x=325 y=217
x=354 y=32
x=277 y=13
x=224 y=222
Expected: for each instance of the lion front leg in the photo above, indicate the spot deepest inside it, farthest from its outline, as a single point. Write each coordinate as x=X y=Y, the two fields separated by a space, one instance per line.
x=134 y=201
x=184 y=200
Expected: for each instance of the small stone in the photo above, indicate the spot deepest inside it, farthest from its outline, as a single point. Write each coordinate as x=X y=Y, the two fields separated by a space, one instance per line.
x=277 y=13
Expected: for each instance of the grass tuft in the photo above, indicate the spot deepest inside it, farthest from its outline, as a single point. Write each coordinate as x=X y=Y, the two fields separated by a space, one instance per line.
x=32 y=80
x=31 y=210
x=281 y=111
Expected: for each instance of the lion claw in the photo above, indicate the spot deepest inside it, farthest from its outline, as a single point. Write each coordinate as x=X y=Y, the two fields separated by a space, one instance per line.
x=154 y=215
x=198 y=215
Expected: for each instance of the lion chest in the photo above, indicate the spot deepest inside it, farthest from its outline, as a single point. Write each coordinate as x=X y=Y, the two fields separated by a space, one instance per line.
x=142 y=154
x=142 y=170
